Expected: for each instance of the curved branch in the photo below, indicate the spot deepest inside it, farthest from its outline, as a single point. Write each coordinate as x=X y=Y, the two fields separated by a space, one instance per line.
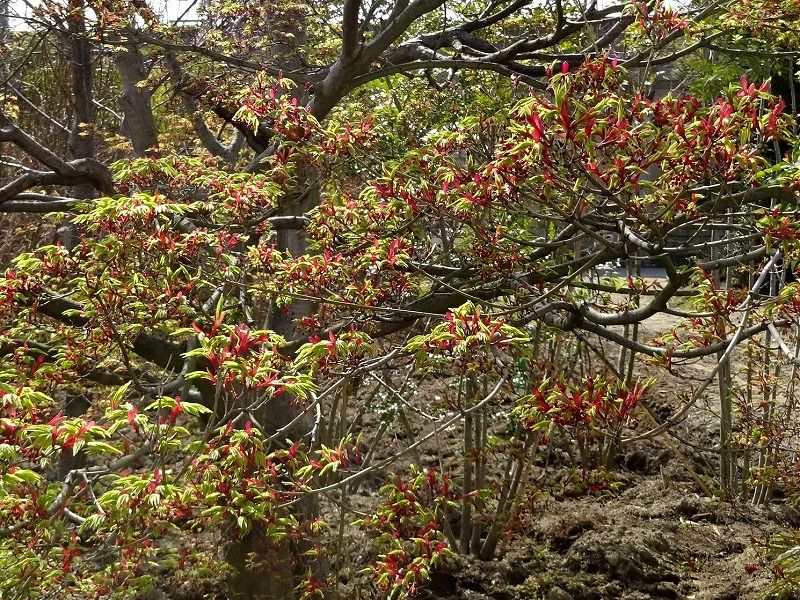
x=350 y=29
x=74 y=172
x=38 y=206
x=150 y=346
x=445 y=63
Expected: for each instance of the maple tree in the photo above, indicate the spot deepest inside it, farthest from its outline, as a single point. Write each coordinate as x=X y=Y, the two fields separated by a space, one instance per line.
x=187 y=372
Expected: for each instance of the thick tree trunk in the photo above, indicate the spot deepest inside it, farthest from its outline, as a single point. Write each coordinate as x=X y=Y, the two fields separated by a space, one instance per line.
x=5 y=36
x=5 y=31
x=270 y=578
x=138 y=124
x=75 y=405
x=81 y=144
x=273 y=576
x=81 y=137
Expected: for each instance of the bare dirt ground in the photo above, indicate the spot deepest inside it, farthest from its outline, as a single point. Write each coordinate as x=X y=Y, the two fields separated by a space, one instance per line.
x=656 y=538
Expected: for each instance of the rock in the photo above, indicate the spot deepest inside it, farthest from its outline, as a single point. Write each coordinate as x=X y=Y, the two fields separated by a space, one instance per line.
x=610 y=590
x=636 y=461
x=563 y=536
x=792 y=516
x=732 y=592
x=691 y=506
x=628 y=555
x=557 y=593
x=443 y=583
x=734 y=547
x=581 y=591
x=662 y=589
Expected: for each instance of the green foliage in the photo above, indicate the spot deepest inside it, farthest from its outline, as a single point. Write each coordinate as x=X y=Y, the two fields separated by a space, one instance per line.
x=222 y=338
x=407 y=532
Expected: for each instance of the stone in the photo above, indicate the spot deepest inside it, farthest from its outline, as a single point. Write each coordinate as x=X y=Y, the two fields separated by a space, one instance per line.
x=557 y=593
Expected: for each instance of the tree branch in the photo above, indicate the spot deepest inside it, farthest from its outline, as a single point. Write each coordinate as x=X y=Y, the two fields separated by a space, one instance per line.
x=150 y=346
x=38 y=204
x=350 y=29
x=74 y=172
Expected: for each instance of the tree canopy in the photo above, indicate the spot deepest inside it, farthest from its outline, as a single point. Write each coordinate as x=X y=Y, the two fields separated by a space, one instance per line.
x=247 y=243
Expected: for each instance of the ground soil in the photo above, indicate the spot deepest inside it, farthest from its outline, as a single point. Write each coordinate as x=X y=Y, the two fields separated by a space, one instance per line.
x=656 y=537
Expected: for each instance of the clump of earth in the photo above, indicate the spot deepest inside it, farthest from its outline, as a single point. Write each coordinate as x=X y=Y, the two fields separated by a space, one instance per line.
x=649 y=541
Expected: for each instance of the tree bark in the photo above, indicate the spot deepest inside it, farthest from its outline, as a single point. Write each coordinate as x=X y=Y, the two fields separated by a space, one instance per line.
x=81 y=144
x=273 y=576
x=138 y=124
x=5 y=32
x=81 y=138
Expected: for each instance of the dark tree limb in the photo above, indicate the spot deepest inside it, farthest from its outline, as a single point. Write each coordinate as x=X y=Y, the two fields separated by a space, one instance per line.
x=152 y=347
x=39 y=204
x=181 y=81
x=71 y=173
x=139 y=124
x=350 y=29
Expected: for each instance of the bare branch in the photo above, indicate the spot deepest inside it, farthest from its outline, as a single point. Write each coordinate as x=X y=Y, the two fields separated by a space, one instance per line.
x=488 y=20
x=74 y=172
x=350 y=29
x=38 y=204
x=476 y=65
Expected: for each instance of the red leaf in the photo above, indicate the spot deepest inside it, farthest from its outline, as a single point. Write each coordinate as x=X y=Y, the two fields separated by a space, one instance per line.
x=538 y=126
